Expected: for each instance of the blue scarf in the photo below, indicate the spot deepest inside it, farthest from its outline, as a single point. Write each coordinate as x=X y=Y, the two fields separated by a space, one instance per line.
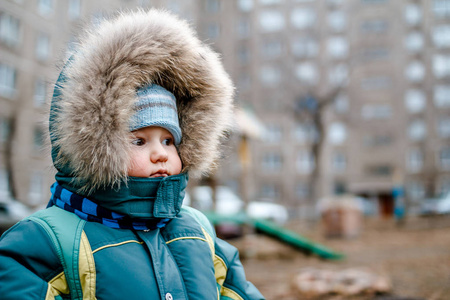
x=92 y=212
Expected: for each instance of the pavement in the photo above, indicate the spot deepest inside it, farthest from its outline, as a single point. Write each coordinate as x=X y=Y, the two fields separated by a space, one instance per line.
x=414 y=256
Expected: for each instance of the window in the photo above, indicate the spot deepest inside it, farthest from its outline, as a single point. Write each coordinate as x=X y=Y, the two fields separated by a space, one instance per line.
x=337 y=47
x=307 y=72
x=341 y=103
x=74 y=9
x=42 y=46
x=35 y=194
x=413 y=14
x=45 y=7
x=7 y=81
x=339 y=162
x=377 y=140
x=414 y=160
x=304 y=47
x=415 y=190
x=174 y=6
x=143 y=3
x=443 y=126
x=338 y=75
x=243 y=55
x=271 y=21
x=415 y=101
x=377 y=82
x=305 y=162
x=337 y=21
x=40 y=92
x=441 y=8
x=441 y=36
x=414 y=42
x=444 y=158
x=302 y=190
x=212 y=6
x=379 y=170
x=374 y=26
x=417 y=130
x=375 y=53
x=443 y=186
x=272 y=49
x=337 y=133
x=376 y=111
x=269 y=2
x=70 y=47
x=270 y=75
x=245 y=5
x=442 y=96
x=269 y=191
x=441 y=66
x=272 y=162
x=9 y=29
x=213 y=31
x=274 y=133
x=243 y=28
x=415 y=71
x=302 y=18
x=305 y=133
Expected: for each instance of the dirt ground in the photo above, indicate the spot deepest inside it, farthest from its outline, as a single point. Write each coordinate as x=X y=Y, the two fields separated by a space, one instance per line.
x=415 y=257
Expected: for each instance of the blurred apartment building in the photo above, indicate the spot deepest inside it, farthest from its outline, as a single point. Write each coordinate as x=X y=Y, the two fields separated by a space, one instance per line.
x=385 y=65
x=386 y=130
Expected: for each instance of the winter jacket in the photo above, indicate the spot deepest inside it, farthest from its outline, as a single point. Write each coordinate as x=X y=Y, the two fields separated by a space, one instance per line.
x=89 y=131
x=177 y=262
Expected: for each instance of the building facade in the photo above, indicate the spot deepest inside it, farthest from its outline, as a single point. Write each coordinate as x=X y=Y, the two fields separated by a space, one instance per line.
x=384 y=63
x=372 y=76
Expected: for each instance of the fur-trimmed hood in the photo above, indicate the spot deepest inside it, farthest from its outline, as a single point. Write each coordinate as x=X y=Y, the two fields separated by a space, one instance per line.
x=90 y=117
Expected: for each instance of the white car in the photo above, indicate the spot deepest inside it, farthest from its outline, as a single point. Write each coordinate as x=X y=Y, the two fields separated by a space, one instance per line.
x=228 y=204
x=269 y=211
x=439 y=205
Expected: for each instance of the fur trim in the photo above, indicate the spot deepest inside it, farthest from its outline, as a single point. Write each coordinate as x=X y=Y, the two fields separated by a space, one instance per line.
x=113 y=59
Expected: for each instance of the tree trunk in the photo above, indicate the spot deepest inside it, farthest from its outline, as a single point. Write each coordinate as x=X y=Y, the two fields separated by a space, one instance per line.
x=9 y=155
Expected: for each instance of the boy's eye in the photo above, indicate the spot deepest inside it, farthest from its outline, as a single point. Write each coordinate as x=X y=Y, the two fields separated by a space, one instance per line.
x=138 y=142
x=168 y=141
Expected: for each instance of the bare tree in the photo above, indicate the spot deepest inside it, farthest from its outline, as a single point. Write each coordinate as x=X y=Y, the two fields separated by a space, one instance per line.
x=311 y=107
x=9 y=155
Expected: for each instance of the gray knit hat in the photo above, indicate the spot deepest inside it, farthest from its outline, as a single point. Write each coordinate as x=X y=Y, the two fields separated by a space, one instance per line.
x=156 y=106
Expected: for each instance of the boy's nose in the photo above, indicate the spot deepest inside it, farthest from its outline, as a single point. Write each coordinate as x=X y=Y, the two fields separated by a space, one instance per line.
x=159 y=154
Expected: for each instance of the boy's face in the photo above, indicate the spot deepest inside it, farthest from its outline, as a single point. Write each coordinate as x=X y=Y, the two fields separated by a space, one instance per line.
x=153 y=153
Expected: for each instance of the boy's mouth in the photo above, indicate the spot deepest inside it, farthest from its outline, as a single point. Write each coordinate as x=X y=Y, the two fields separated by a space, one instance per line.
x=160 y=173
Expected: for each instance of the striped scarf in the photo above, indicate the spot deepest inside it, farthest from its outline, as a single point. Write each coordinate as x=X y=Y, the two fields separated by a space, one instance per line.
x=92 y=212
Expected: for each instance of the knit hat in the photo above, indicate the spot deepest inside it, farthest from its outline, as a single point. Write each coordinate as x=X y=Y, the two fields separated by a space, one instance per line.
x=156 y=106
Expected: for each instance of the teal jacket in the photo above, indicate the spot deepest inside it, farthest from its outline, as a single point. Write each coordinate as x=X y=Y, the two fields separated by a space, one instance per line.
x=180 y=261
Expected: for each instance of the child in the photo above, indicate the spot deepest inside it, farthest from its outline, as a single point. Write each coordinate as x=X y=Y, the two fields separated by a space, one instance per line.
x=141 y=104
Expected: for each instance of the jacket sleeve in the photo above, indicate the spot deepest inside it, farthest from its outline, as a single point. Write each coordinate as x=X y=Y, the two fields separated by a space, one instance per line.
x=232 y=283
x=28 y=262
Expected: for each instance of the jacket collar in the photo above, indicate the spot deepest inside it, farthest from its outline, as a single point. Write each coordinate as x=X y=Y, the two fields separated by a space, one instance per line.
x=144 y=198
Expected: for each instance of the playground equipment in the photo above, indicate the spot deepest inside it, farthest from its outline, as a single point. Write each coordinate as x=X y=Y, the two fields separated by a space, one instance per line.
x=278 y=232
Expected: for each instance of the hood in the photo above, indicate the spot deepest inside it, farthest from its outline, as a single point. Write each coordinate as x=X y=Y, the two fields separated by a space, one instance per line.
x=95 y=94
